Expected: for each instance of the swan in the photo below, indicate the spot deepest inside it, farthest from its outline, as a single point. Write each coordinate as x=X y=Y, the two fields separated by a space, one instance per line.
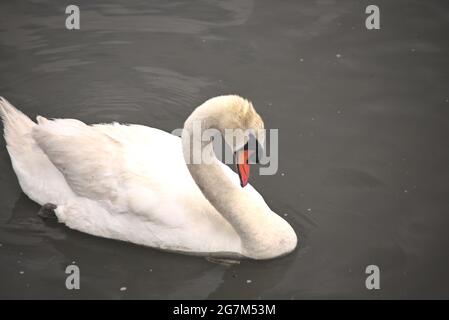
x=134 y=183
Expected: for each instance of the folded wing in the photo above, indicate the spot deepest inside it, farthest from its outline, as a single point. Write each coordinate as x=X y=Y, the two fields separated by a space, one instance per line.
x=91 y=162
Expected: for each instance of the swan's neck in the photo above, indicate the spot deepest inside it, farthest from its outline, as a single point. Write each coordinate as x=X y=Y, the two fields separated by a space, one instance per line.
x=261 y=231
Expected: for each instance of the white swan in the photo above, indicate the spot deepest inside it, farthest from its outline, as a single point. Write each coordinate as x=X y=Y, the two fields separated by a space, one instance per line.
x=131 y=182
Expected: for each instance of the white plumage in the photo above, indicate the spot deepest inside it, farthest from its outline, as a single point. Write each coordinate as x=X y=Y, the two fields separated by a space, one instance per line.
x=131 y=183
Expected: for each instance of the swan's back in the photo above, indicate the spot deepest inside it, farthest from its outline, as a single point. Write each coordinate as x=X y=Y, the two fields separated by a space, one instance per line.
x=127 y=182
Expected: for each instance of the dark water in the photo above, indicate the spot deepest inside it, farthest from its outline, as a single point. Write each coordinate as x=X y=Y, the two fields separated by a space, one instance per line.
x=364 y=127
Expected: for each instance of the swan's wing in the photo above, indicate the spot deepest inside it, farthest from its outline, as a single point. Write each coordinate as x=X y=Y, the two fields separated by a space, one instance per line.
x=91 y=162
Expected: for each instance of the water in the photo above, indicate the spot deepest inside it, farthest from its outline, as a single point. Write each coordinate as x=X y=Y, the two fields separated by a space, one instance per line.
x=363 y=119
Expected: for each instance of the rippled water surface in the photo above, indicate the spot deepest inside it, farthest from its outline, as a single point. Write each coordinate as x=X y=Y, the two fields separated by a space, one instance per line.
x=363 y=120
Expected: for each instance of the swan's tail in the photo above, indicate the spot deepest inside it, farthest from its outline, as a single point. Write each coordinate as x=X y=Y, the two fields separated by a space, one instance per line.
x=17 y=126
x=26 y=158
x=38 y=177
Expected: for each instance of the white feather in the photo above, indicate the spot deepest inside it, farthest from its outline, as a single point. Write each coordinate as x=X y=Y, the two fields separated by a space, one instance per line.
x=126 y=182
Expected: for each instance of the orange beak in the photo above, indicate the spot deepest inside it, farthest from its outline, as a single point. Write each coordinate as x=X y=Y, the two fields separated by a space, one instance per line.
x=242 y=157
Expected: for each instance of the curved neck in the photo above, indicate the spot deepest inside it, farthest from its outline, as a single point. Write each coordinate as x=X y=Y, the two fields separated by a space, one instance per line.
x=248 y=215
x=263 y=233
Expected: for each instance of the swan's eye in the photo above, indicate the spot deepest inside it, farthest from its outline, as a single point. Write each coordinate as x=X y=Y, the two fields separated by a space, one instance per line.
x=255 y=149
x=253 y=156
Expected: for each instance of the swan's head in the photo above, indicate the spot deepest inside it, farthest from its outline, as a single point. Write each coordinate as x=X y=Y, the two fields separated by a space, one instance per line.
x=240 y=125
